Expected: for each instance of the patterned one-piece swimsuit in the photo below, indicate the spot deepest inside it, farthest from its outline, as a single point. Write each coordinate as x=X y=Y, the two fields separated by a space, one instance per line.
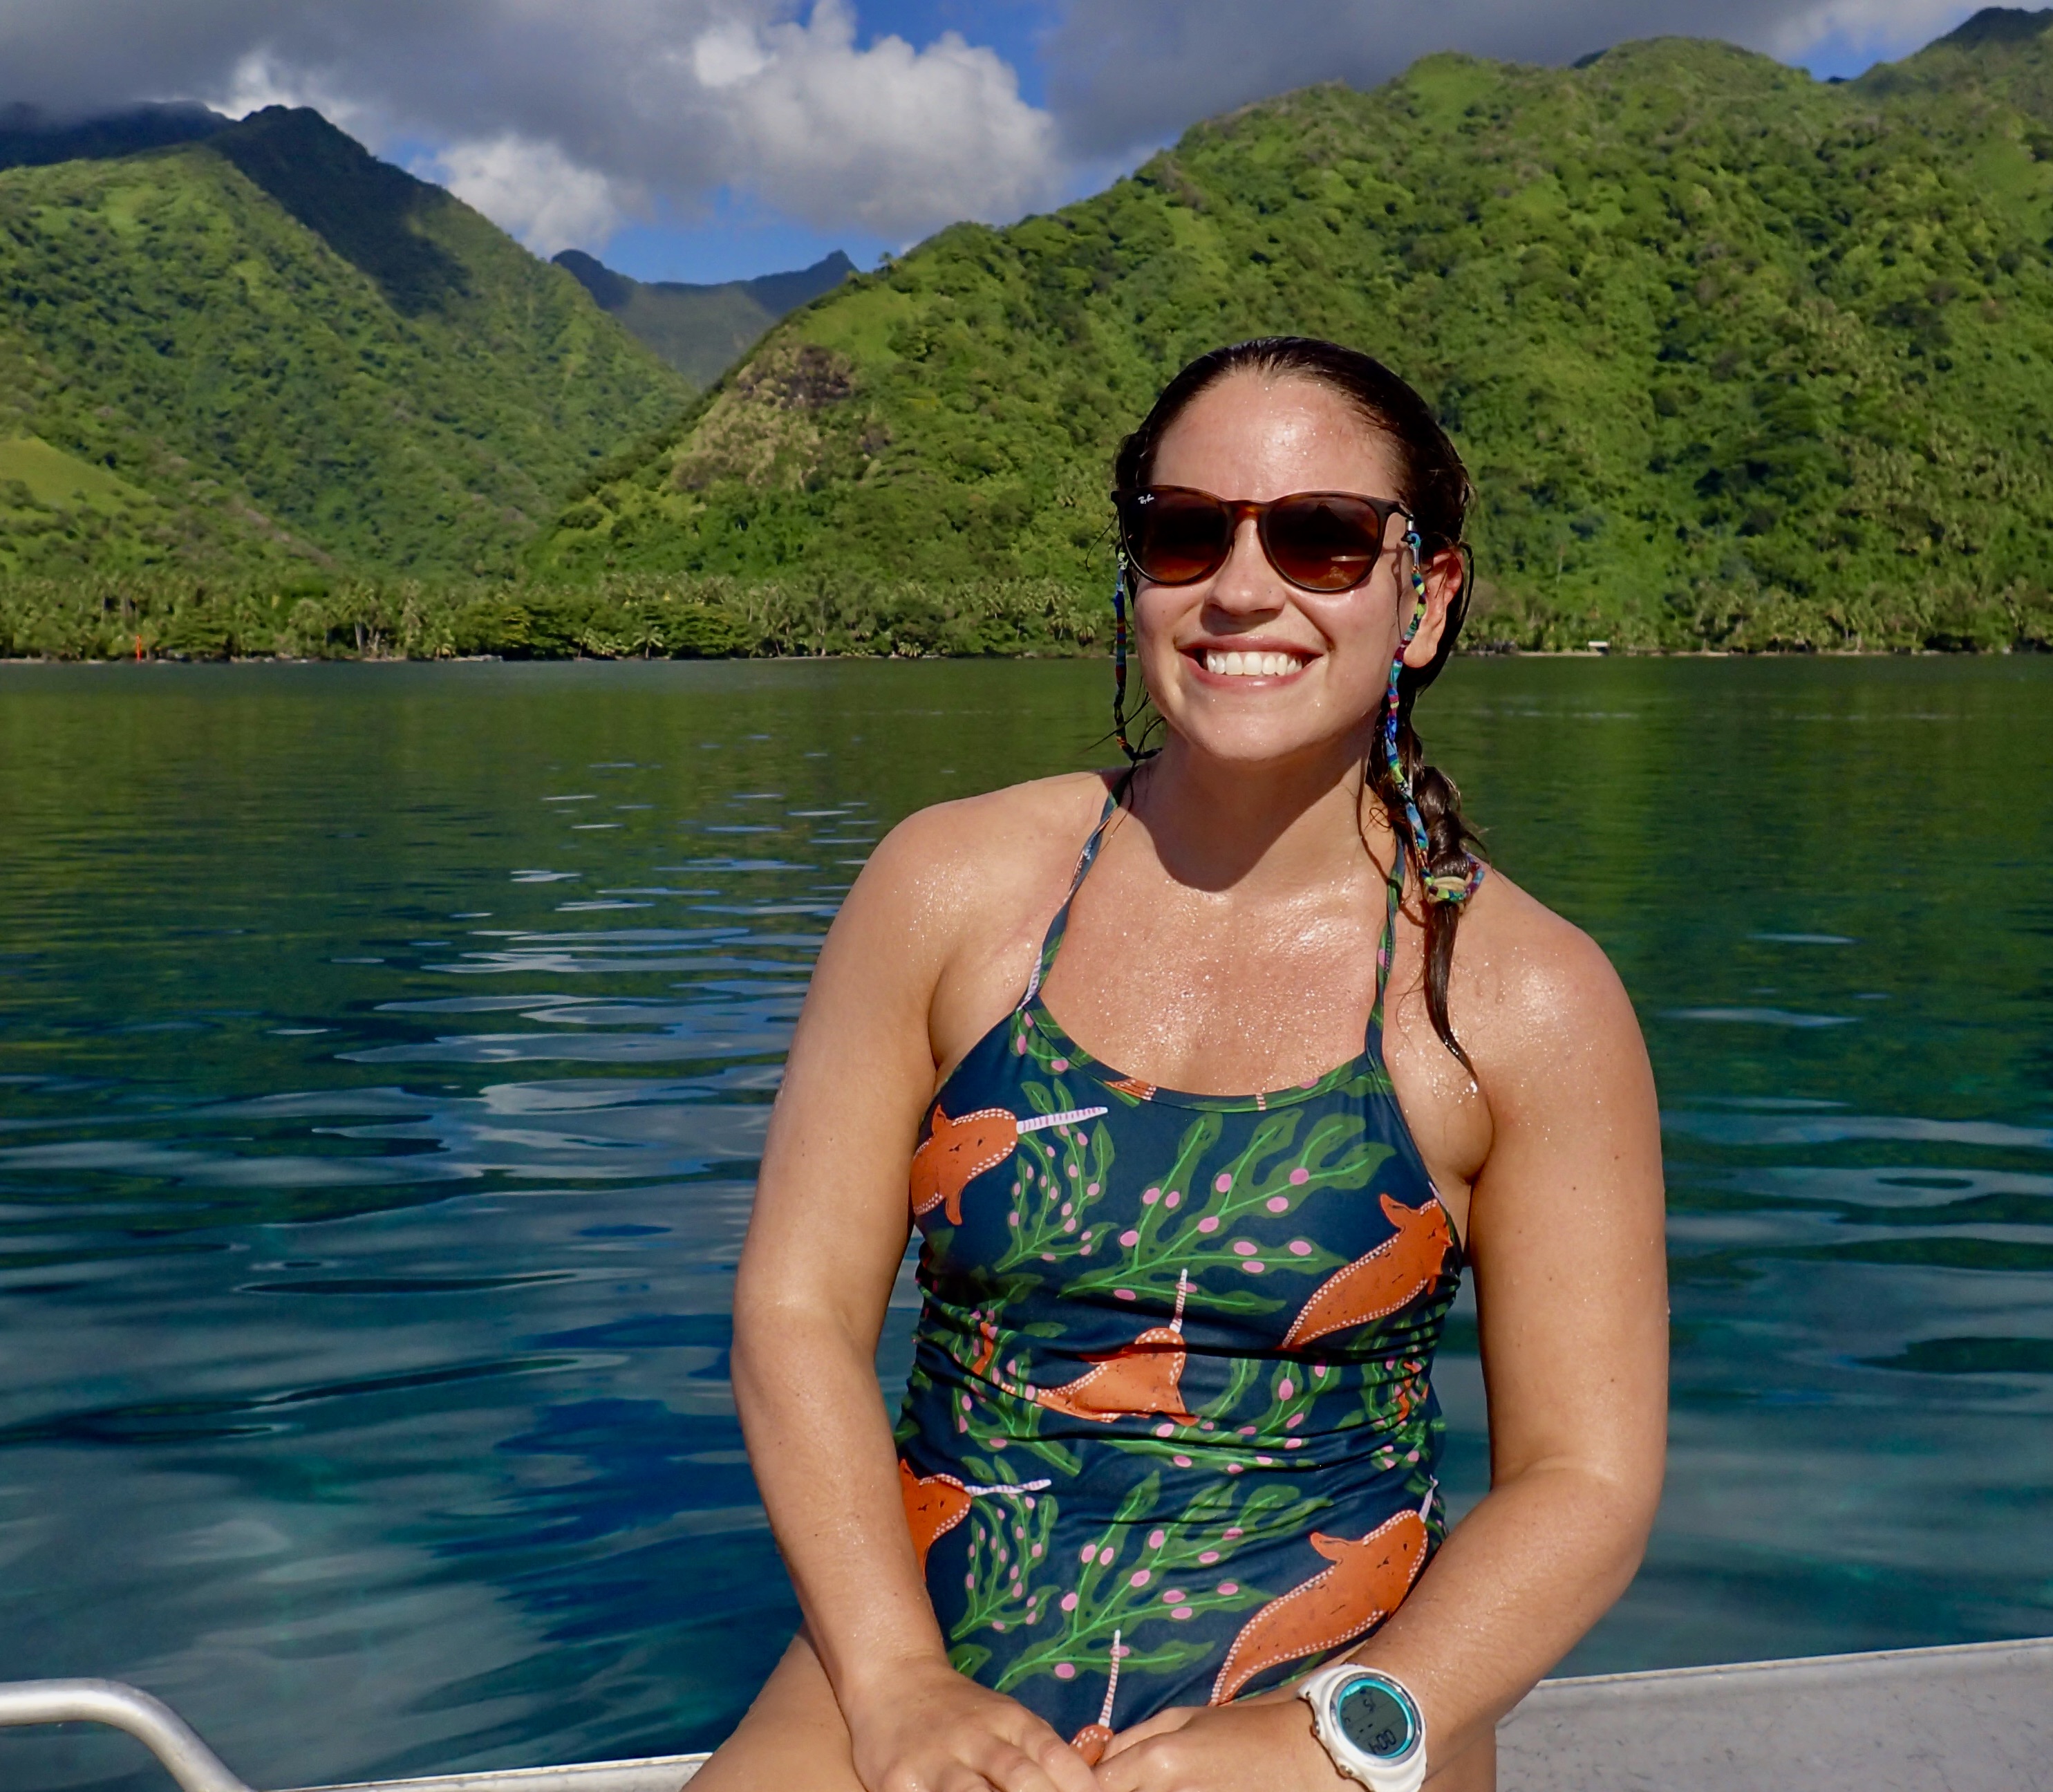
x=1170 y=1436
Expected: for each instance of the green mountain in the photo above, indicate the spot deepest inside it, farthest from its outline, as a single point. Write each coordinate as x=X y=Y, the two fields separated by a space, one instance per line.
x=703 y=330
x=265 y=349
x=1737 y=357
x=28 y=138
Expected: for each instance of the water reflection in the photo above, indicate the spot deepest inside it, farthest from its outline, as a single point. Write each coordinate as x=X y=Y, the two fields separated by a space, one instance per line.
x=386 y=1054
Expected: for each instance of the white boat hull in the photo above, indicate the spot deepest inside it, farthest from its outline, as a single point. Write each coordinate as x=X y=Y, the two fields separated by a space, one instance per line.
x=1976 y=1718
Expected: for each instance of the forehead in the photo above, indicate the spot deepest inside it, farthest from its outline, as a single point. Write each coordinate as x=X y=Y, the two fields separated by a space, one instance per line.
x=1252 y=436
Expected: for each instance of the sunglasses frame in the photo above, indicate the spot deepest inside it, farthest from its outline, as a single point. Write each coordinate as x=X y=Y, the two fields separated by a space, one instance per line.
x=1238 y=509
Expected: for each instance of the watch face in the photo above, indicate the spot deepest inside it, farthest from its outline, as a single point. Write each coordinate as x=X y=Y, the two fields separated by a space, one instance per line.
x=1374 y=1720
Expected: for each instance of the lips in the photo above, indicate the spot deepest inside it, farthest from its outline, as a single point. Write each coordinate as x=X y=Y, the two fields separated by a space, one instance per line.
x=1259 y=662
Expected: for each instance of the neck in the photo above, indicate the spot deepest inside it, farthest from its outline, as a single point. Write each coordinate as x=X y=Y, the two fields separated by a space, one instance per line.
x=1215 y=825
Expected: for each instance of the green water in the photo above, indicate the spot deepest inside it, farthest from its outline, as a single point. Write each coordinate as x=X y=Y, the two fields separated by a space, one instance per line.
x=384 y=1053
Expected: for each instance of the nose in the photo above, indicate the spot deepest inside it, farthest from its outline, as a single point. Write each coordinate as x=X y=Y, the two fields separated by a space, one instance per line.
x=1247 y=584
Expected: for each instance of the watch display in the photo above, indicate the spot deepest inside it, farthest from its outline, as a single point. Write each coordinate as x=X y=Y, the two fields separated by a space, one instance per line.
x=1376 y=1719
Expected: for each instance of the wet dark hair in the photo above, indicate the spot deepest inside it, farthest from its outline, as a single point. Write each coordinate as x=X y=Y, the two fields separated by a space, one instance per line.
x=1435 y=489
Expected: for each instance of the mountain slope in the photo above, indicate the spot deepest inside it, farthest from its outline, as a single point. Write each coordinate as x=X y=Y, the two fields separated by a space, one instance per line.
x=29 y=140
x=292 y=351
x=1999 y=54
x=1736 y=356
x=703 y=330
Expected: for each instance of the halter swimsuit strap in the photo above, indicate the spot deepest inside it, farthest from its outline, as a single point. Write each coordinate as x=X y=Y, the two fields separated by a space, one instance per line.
x=1052 y=941
x=1386 y=950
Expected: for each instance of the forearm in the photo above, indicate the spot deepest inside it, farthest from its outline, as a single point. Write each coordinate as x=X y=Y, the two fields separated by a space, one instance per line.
x=1514 y=1587
x=820 y=1441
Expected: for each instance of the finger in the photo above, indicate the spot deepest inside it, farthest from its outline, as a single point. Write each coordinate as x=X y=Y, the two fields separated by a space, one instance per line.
x=1011 y=1769
x=1161 y=1724
x=1066 y=1768
x=1125 y=1775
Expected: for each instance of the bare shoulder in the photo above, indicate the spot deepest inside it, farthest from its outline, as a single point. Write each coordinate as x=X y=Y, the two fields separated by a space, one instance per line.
x=975 y=861
x=1530 y=991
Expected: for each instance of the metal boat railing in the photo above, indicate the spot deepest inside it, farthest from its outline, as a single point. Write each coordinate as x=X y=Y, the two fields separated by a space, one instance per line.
x=1976 y=1717
x=194 y=1768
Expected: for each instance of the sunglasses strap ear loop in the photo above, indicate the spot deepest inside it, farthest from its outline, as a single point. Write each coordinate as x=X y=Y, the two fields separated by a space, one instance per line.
x=1119 y=658
x=1441 y=888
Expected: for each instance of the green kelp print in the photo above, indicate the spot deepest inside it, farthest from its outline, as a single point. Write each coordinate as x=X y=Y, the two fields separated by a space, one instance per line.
x=1009 y=1537
x=998 y=1415
x=1058 y=1178
x=1271 y=1175
x=1179 y=1571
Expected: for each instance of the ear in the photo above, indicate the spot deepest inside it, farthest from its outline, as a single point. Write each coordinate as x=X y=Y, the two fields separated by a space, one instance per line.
x=1444 y=573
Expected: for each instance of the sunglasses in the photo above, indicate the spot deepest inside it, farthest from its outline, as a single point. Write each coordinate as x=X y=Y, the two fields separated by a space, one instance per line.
x=1318 y=541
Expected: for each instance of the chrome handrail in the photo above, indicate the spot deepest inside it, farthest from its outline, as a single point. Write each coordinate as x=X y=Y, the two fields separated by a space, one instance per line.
x=152 y=1722
x=196 y=1768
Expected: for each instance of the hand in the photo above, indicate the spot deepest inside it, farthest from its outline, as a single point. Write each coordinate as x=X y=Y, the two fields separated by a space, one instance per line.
x=933 y=1730
x=1259 y=1745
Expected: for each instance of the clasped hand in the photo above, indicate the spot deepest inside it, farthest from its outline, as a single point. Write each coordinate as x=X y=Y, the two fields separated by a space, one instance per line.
x=942 y=1732
x=1260 y=1745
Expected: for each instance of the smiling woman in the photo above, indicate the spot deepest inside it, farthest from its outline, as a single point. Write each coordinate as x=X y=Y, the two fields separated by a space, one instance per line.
x=1170 y=1440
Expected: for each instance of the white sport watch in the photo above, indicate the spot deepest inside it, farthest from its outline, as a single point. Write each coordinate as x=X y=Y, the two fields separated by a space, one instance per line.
x=1370 y=1724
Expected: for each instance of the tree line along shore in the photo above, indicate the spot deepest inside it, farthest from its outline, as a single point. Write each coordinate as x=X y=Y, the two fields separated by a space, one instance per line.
x=645 y=615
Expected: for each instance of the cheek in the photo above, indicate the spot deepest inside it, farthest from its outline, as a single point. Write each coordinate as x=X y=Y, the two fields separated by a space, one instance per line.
x=1157 y=609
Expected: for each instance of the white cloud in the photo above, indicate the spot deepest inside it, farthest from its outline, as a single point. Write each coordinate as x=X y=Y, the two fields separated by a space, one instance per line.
x=1882 y=26
x=898 y=138
x=727 y=54
x=533 y=190
x=256 y=81
x=559 y=120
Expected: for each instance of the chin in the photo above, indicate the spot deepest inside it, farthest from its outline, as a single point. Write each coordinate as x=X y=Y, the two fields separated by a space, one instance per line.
x=1277 y=726
x=1252 y=741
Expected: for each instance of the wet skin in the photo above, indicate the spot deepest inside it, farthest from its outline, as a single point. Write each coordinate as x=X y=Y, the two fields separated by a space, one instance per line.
x=1225 y=941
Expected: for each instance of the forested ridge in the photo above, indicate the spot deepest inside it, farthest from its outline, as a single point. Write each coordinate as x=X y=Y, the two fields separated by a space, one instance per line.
x=267 y=353
x=702 y=331
x=1737 y=358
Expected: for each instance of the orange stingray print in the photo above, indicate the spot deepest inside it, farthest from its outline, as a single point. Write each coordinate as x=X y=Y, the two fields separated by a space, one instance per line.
x=1144 y=1377
x=1391 y=1276
x=955 y=1153
x=1368 y=1579
x=935 y=1504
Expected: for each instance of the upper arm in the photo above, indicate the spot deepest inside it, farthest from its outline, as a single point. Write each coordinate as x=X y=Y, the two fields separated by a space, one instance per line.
x=1566 y=1220
x=831 y=1218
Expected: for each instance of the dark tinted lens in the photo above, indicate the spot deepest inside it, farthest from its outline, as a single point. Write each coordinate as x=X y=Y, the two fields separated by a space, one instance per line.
x=1324 y=541
x=1175 y=537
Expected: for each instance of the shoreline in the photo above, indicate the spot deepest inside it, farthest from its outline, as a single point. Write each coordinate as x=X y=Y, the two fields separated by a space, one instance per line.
x=2025 y=652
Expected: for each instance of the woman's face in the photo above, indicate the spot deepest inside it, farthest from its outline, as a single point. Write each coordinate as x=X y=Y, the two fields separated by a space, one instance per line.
x=1313 y=667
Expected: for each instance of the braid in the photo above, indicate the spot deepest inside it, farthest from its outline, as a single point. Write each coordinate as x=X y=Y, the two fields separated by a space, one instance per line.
x=1424 y=804
x=1450 y=854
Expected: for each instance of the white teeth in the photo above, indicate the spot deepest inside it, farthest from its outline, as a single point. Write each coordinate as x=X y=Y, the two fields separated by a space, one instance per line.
x=1250 y=666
